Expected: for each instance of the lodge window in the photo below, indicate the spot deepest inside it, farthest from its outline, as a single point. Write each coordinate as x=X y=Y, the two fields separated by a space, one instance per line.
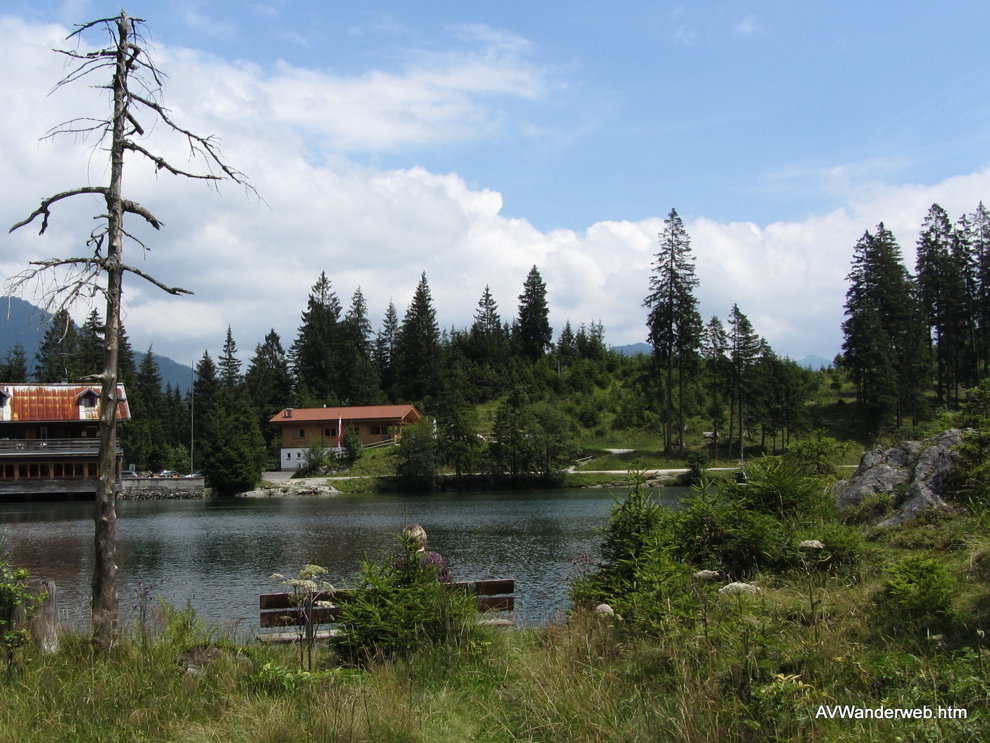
x=300 y=433
x=92 y=469
x=8 y=471
x=34 y=471
x=58 y=469
x=22 y=470
x=330 y=432
x=288 y=455
x=43 y=432
x=44 y=469
x=88 y=400
x=375 y=430
x=80 y=470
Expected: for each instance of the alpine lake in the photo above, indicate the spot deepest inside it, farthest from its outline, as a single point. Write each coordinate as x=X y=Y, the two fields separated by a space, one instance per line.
x=218 y=555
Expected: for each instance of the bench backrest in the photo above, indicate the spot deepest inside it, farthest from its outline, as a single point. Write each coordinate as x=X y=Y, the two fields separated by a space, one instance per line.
x=281 y=610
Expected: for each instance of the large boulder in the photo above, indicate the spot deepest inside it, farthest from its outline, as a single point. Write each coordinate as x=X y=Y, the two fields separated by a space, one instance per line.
x=915 y=476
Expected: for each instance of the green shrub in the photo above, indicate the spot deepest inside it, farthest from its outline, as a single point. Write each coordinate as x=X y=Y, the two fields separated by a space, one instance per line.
x=918 y=594
x=843 y=544
x=631 y=524
x=775 y=486
x=401 y=606
x=697 y=462
x=714 y=533
x=14 y=594
x=637 y=575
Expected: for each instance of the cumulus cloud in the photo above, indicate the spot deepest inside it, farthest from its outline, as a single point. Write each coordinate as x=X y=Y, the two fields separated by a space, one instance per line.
x=251 y=264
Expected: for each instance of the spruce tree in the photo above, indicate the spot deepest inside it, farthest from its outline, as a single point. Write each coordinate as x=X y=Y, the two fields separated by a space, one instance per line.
x=229 y=365
x=937 y=281
x=979 y=222
x=674 y=322
x=233 y=448
x=417 y=346
x=205 y=394
x=533 y=333
x=14 y=368
x=90 y=359
x=56 y=359
x=885 y=325
x=715 y=347
x=268 y=383
x=315 y=353
x=359 y=383
x=487 y=335
x=384 y=353
x=744 y=348
x=567 y=344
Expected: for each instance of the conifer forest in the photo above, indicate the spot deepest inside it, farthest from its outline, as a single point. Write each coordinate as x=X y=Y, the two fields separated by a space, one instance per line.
x=913 y=343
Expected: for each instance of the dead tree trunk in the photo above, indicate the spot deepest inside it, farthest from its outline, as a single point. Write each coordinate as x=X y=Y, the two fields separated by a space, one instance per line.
x=136 y=87
x=105 y=569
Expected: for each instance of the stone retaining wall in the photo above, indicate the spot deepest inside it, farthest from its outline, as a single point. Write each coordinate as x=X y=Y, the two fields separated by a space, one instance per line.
x=156 y=488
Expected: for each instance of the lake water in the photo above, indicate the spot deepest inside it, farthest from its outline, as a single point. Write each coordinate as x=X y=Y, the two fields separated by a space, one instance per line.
x=218 y=554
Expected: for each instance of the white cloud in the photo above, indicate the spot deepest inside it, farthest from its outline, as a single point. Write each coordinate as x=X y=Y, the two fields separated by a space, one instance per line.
x=748 y=26
x=252 y=264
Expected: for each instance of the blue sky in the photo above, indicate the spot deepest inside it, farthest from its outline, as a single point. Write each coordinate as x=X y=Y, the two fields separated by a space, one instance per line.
x=472 y=140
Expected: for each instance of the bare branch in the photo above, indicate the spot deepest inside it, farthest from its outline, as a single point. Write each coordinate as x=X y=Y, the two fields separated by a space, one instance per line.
x=108 y=22
x=134 y=208
x=207 y=147
x=164 y=287
x=60 y=291
x=163 y=164
x=43 y=209
x=70 y=127
x=137 y=126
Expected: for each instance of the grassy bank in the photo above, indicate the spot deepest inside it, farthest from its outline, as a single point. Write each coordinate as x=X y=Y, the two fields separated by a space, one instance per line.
x=704 y=666
x=753 y=670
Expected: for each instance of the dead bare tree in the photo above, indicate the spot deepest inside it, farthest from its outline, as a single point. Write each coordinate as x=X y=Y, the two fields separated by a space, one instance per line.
x=136 y=91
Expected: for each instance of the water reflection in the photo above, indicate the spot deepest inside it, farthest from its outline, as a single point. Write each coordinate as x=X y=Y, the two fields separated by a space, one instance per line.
x=218 y=554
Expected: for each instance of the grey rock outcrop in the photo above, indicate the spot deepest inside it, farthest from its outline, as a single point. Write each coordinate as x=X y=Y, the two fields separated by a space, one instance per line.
x=924 y=467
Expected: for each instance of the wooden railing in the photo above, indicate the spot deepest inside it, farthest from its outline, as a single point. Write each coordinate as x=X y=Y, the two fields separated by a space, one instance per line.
x=51 y=446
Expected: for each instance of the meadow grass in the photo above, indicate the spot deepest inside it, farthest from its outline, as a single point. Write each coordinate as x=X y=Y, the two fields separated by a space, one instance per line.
x=755 y=670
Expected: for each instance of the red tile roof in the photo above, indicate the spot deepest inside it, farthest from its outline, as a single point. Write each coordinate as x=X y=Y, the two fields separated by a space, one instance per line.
x=360 y=413
x=45 y=403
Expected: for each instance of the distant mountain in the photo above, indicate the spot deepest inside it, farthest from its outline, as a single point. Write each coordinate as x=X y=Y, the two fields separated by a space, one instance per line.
x=815 y=362
x=633 y=348
x=26 y=324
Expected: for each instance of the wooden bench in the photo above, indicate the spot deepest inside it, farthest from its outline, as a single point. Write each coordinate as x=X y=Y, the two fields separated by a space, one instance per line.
x=280 y=610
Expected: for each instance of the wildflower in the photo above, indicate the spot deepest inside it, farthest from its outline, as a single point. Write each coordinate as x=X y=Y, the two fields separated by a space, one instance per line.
x=737 y=589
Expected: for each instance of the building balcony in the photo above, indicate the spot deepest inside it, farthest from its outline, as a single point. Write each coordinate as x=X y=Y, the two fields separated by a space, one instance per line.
x=51 y=448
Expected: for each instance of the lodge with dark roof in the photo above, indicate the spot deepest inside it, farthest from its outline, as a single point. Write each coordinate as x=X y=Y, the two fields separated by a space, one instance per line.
x=303 y=427
x=50 y=439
